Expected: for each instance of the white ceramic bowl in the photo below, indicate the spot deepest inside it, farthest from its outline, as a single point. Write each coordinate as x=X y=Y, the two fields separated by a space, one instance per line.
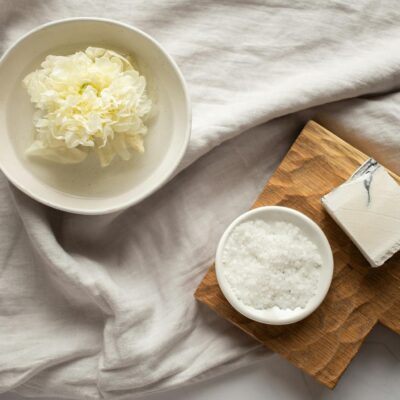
x=276 y=316
x=86 y=188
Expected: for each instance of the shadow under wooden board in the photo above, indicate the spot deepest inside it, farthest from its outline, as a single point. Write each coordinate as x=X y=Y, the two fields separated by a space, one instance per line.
x=323 y=344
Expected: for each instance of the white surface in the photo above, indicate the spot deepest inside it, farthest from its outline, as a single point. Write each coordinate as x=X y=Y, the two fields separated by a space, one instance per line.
x=367 y=207
x=372 y=375
x=275 y=315
x=103 y=306
x=87 y=188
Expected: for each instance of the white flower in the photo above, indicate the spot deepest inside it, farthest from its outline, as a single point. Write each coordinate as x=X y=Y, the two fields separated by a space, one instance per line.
x=88 y=101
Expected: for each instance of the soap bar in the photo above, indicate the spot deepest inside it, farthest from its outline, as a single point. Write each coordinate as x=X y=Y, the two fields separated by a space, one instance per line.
x=367 y=208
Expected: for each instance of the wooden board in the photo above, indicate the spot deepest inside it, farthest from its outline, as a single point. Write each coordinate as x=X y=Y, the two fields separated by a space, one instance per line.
x=323 y=344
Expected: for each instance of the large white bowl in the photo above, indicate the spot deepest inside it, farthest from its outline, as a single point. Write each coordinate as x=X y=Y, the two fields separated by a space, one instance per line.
x=275 y=315
x=87 y=188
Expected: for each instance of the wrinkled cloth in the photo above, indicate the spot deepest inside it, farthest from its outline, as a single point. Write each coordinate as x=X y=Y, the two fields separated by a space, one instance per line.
x=102 y=306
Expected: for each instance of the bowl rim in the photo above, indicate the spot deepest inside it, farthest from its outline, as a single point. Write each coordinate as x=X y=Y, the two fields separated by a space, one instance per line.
x=253 y=314
x=173 y=167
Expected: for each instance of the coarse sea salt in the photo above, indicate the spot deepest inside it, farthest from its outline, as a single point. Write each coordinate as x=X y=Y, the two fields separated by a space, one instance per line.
x=271 y=264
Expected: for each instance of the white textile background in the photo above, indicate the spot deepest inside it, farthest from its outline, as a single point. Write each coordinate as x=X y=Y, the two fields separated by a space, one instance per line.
x=102 y=307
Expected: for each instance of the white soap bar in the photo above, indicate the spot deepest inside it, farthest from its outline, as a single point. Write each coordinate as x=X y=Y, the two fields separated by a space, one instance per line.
x=367 y=208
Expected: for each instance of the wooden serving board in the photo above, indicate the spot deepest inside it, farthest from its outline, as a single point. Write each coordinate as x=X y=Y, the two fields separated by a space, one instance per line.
x=323 y=344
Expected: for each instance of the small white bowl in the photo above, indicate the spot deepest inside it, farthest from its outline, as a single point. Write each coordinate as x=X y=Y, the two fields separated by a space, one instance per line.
x=275 y=315
x=86 y=188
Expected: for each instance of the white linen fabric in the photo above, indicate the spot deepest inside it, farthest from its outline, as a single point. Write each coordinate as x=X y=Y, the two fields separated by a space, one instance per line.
x=102 y=306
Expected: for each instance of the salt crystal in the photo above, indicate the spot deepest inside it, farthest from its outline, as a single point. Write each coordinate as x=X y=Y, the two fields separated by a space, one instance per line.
x=271 y=264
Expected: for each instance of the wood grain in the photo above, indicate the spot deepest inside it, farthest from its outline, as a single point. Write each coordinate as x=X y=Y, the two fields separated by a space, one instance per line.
x=323 y=344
